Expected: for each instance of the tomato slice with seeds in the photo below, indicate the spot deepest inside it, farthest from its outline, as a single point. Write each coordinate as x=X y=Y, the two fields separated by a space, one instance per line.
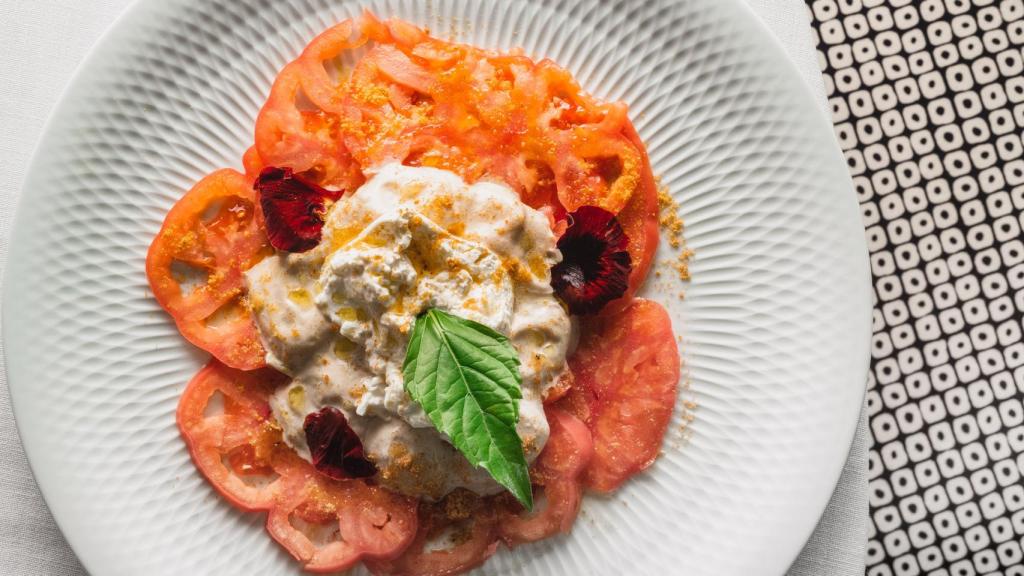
x=425 y=102
x=299 y=126
x=329 y=525
x=195 y=265
x=225 y=420
x=557 y=471
x=626 y=372
x=301 y=138
x=474 y=541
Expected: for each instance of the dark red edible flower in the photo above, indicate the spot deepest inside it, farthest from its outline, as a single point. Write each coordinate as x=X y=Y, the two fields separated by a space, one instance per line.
x=595 y=262
x=293 y=208
x=336 y=450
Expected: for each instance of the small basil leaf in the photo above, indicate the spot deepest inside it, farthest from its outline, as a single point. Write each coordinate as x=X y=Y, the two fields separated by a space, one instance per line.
x=466 y=377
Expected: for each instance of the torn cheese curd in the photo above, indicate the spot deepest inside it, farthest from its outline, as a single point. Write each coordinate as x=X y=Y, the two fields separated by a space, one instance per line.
x=337 y=318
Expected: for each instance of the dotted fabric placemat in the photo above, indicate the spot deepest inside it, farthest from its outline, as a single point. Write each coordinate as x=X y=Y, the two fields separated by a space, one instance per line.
x=928 y=103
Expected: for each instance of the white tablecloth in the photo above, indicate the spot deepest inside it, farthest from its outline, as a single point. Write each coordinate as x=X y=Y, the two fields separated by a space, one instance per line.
x=43 y=42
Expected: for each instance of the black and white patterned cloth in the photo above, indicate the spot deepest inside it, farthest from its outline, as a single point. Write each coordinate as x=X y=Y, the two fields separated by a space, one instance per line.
x=927 y=97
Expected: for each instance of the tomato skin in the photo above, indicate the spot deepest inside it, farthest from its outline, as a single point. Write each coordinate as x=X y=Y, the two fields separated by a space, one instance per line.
x=626 y=372
x=252 y=163
x=213 y=316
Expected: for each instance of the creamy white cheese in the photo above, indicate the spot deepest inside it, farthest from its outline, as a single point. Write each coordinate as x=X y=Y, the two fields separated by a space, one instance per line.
x=337 y=318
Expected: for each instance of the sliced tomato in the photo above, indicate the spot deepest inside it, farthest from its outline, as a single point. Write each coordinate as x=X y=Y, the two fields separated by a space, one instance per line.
x=425 y=102
x=301 y=125
x=324 y=91
x=475 y=541
x=557 y=470
x=195 y=265
x=305 y=139
x=626 y=372
x=225 y=420
x=252 y=163
x=599 y=166
x=329 y=525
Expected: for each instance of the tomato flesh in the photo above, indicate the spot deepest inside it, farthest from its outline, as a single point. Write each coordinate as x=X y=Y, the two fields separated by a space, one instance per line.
x=362 y=522
x=626 y=371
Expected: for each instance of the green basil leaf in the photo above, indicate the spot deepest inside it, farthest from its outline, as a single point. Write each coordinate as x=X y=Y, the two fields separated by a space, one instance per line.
x=466 y=377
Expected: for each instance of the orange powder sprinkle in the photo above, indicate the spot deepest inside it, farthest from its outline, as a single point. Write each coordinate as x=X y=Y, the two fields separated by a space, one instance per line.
x=672 y=224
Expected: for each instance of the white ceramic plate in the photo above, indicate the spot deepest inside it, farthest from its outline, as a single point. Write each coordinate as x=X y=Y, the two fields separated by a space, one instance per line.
x=775 y=323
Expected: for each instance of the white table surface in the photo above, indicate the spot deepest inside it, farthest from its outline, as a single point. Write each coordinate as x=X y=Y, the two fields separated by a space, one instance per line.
x=43 y=43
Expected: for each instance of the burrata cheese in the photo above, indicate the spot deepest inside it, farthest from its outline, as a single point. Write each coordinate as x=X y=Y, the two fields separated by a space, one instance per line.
x=337 y=318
